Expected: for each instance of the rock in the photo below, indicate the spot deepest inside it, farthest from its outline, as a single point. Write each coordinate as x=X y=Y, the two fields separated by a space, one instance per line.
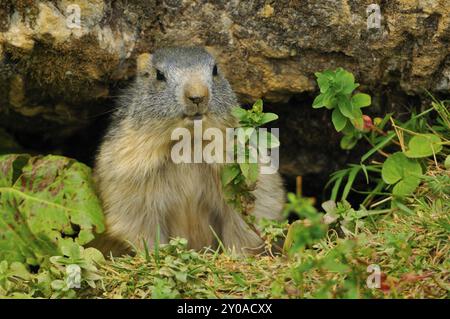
x=59 y=70
x=51 y=22
x=19 y=34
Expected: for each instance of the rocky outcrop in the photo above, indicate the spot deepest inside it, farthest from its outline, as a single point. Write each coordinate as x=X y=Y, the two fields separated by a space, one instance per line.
x=58 y=70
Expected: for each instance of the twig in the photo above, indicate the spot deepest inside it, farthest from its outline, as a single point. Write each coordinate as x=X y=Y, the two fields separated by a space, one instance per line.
x=399 y=134
x=381 y=202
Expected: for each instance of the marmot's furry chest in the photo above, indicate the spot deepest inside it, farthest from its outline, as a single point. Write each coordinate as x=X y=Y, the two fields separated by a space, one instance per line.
x=191 y=196
x=140 y=187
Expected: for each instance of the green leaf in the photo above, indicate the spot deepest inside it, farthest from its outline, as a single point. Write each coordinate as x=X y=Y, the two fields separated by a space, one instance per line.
x=253 y=117
x=345 y=106
x=181 y=276
x=229 y=173
x=290 y=237
x=348 y=142
x=349 y=89
x=239 y=113
x=258 y=106
x=395 y=203
x=58 y=284
x=323 y=81
x=18 y=269
x=250 y=172
x=271 y=140
x=406 y=186
x=268 y=117
x=335 y=266
x=447 y=162
x=349 y=129
x=325 y=99
x=357 y=121
x=318 y=101
x=351 y=179
x=42 y=199
x=292 y=198
x=403 y=171
x=338 y=119
x=357 y=114
x=329 y=100
x=66 y=246
x=347 y=81
x=385 y=140
x=239 y=279
x=336 y=186
x=397 y=167
x=361 y=100
x=91 y=254
x=384 y=121
x=423 y=146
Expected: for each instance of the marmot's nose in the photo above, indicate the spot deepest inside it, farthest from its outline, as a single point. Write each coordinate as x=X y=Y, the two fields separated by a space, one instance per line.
x=196 y=99
x=196 y=95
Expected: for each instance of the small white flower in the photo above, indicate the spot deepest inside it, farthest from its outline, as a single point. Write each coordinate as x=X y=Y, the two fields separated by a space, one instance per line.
x=73 y=279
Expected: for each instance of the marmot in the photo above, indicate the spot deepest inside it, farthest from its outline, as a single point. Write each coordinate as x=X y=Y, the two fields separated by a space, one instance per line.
x=143 y=191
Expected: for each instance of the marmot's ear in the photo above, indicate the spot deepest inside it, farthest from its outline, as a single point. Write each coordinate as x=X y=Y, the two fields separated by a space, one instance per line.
x=144 y=64
x=212 y=50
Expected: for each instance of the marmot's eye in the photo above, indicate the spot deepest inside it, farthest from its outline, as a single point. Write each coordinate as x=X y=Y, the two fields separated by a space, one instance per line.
x=215 y=70
x=160 y=76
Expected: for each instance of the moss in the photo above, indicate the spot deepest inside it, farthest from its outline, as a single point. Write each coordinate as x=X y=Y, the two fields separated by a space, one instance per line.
x=69 y=72
x=24 y=7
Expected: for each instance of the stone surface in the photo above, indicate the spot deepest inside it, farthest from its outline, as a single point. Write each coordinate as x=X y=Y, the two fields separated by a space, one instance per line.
x=57 y=75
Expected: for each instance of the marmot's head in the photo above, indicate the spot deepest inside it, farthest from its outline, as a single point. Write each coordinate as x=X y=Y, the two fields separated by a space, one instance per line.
x=182 y=84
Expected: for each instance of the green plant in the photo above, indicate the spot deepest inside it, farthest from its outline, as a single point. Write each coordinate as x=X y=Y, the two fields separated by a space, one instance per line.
x=239 y=179
x=336 y=93
x=307 y=243
x=306 y=231
x=77 y=266
x=44 y=200
x=404 y=149
x=62 y=276
x=48 y=210
x=348 y=220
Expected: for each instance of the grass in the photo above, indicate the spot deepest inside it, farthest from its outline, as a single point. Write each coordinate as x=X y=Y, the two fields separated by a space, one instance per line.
x=411 y=249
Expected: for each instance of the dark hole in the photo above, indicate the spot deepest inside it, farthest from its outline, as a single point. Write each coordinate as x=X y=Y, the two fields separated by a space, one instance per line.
x=34 y=269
